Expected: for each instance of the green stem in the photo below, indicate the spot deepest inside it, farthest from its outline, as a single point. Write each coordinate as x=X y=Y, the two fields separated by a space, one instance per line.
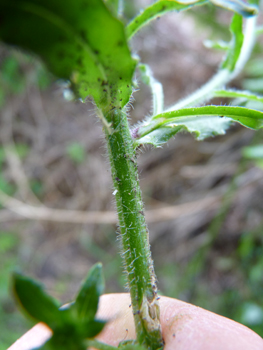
x=133 y=231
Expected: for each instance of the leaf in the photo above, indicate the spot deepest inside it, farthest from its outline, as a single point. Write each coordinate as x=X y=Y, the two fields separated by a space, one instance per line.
x=235 y=44
x=202 y=128
x=202 y=121
x=87 y=301
x=156 y=88
x=93 y=328
x=238 y=94
x=79 y=40
x=237 y=6
x=159 y=137
x=219 y=45
x=35 y=302
x=114 y=6
x=158 y=9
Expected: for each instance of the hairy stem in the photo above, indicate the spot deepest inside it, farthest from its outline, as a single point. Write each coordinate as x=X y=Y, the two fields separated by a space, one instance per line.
x=133 y=231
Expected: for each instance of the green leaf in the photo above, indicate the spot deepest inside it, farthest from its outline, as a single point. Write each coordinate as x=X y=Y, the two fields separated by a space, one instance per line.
x=235 y=44
x=238 y=94
x=64 y=341
x=156 y=88
x=93 y=328
x=219 y=45
x=114 y=6
x=237 y=6
x=202 y=121
x=79 y=40
x=87 y=301
x=202 y=127
x=158 y=9
x=159 y=137
x=35 y=302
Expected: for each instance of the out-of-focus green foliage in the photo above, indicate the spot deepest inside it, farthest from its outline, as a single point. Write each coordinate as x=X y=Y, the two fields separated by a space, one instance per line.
x=76 y=152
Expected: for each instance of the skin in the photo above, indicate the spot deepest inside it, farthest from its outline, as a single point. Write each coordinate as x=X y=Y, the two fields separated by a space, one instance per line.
x=184 y=327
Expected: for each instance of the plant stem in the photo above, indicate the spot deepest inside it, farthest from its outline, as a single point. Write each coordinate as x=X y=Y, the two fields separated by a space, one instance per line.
x=133 y=231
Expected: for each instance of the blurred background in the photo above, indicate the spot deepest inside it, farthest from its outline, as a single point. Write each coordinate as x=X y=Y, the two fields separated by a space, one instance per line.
x=203 y=200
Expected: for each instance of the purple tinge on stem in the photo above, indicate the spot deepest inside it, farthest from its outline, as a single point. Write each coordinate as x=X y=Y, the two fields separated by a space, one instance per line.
x=134 y=133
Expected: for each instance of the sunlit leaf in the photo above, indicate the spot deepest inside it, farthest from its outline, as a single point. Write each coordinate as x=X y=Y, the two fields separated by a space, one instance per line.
x=79 y=40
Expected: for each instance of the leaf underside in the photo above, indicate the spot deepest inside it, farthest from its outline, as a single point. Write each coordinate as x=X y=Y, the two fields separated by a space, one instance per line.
x=203 y=122
x=79 y=40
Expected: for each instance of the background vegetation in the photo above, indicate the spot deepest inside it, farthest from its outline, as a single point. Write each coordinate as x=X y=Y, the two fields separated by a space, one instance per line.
x=203 y=199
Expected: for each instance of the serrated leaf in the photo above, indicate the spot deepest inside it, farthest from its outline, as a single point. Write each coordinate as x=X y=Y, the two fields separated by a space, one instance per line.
x=235 y=44
x=87 y=301
x=237 y=6
x=202 y=121
x=35 y=302
x=79 y=40
x=158 y=9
